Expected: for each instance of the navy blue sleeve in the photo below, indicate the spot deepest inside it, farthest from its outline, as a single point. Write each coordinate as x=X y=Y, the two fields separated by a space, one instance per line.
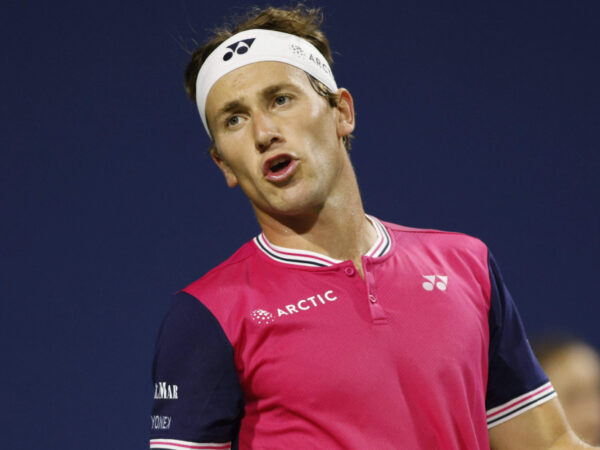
x=197 y=394
x=516 y=382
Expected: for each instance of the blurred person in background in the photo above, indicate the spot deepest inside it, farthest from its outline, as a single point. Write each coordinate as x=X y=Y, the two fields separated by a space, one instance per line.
x=573 y=367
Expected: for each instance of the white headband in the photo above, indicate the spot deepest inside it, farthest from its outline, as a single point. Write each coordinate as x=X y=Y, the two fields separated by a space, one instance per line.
x=258 y=45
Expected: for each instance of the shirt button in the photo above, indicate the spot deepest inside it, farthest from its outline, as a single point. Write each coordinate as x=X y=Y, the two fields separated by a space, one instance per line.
x=349 y=271
x=372 y=298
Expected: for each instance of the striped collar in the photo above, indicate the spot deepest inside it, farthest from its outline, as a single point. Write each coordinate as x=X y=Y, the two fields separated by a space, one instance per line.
x=382 y=245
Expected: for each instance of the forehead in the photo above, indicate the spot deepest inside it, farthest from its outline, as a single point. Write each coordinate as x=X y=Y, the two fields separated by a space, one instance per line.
x=251 y=80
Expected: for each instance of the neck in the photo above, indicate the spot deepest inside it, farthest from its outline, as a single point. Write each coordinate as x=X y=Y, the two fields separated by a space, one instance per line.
x=338 y=229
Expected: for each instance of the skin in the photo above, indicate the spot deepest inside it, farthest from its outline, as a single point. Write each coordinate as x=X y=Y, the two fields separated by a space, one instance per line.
x=543 y=427
x=575 y=374
x=268 y=108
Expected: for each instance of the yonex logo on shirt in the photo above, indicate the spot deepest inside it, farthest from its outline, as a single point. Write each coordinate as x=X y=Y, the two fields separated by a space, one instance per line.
x=160 y=422
x=239 y=47
x=431 y=284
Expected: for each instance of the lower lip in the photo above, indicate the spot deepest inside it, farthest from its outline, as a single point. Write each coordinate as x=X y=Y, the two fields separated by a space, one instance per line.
x=284 y=174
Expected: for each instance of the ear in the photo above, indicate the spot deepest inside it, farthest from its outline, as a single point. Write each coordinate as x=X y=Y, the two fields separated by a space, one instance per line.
x=230 y=177
x=345 y=107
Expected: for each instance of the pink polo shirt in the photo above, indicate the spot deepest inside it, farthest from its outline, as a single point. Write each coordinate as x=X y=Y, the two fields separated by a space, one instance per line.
x=282 y=348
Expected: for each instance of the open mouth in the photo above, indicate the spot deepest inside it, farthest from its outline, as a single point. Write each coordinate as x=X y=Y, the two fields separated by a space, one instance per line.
x=279 y=167
x=279 y=164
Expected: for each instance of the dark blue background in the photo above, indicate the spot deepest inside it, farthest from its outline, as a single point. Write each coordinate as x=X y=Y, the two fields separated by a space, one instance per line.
x=474 y=116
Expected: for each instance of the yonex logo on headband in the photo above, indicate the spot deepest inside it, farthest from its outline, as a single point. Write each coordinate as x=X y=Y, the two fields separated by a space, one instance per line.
x=239 y=47
x=267 y=45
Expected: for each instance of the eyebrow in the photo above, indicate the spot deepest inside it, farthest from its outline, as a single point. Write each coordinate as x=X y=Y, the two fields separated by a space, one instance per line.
x=270 y=90
x=229 y=106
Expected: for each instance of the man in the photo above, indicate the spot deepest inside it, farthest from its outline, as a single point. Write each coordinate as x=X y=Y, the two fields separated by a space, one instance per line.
x=332 y=329
x=573 y=366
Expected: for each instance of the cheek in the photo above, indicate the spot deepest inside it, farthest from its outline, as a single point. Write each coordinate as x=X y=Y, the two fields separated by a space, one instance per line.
x=318 y=125
x=234 y=153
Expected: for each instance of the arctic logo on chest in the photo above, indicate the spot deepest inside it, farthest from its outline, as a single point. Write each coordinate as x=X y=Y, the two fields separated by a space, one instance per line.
x=435 y=282
x=264 y=317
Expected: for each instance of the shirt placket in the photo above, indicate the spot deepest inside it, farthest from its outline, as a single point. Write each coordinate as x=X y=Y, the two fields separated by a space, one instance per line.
x=378 y=314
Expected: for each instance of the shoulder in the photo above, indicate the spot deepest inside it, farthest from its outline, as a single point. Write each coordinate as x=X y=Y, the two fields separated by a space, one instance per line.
x=436 y=240
x=457 y=253
x=214 y=298
x=226 y=275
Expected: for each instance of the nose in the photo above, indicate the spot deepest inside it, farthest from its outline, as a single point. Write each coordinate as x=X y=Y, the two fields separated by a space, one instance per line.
x=266 y=132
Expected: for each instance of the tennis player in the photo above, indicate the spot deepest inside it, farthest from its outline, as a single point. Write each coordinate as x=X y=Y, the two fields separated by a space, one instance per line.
x=332 y=328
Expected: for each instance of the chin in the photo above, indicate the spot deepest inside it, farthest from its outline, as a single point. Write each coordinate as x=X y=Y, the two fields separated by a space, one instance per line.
x=294 y=207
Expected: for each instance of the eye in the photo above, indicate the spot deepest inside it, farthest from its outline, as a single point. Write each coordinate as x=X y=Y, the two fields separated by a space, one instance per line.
x=233 y=121
x=281 y=100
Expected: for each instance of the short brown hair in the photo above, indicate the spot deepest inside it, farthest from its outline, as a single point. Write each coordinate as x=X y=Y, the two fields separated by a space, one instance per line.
x=299 y=20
